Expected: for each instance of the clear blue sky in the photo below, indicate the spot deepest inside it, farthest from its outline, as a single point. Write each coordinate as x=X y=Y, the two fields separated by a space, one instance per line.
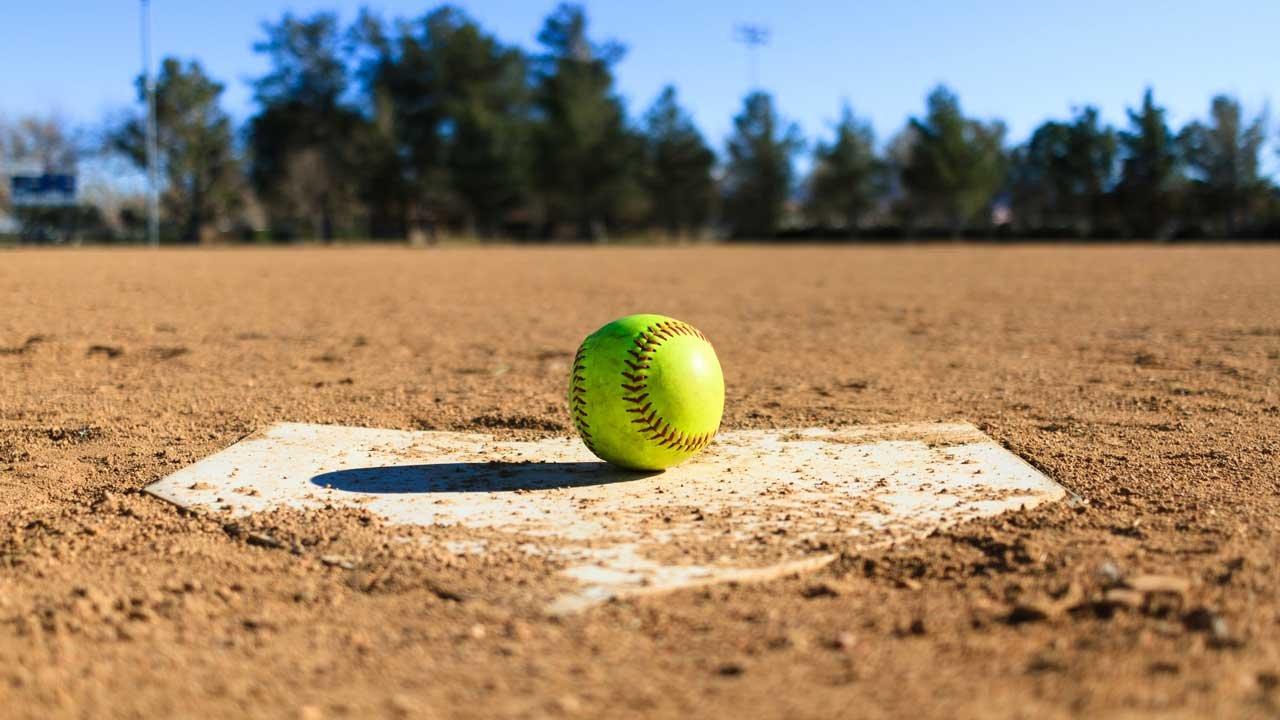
x=1023 y=61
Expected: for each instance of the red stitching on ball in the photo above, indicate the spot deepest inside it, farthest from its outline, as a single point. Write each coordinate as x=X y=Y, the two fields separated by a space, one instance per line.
x=655 y=427
x=578 y=389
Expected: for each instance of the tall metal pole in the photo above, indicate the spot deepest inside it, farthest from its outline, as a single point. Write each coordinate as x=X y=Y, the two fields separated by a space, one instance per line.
x=153 y=190
x=753 y=36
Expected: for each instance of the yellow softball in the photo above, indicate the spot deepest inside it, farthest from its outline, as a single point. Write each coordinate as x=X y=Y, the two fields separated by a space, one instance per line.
x=646 y=392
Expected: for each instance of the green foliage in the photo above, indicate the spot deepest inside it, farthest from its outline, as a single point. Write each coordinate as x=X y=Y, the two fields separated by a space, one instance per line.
x=678 y=166
x=307 y=66
x=202 y=176
x=50 y=225
x=759 y=175
x=401 y=175
x=412 y=126
x=1060 y=177
x=486 y=102
x=1149 y=170
x=585 y=157
x=848 y=178
x=451 y=104
x=956 y=164
x=306 y=142
x=1223 y=158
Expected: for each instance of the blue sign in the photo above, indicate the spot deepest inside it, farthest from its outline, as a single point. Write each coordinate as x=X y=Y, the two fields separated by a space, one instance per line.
x=48 y=190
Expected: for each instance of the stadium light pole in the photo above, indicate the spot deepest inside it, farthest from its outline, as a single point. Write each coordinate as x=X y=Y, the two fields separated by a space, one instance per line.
x=149 y=83
x=753 y=36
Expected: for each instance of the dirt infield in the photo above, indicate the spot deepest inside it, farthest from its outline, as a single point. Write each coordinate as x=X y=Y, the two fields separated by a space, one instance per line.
x=1144 y=379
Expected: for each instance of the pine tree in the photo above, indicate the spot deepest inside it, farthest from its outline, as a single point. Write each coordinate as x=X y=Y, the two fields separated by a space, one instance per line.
x=759 y=174
x=848 y=178
x=1149 y=170
x=1223 y=157
x=306 y=140
x=678 y=167
x=956 y=164
x=1059 y=178
x=585 y=156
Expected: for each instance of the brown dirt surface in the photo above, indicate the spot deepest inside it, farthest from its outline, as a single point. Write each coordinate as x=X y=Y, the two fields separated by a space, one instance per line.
x=1144 y=379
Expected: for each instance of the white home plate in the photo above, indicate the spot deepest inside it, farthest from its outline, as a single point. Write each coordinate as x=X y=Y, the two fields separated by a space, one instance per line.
x=756 y=504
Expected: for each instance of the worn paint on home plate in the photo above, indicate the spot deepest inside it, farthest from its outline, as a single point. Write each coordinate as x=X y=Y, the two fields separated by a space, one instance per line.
x=757 y=504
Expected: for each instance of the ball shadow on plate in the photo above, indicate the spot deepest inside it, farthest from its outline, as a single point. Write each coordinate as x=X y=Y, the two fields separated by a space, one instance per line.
x=475 y=477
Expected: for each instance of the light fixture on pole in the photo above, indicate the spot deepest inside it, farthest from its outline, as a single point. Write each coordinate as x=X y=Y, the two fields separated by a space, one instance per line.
x=754 y=37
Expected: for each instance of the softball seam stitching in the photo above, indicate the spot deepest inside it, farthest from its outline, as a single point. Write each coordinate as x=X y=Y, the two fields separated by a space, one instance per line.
x=578 y=398
x=635 y=382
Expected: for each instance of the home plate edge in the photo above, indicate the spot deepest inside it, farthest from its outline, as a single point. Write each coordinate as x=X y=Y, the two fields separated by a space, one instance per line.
x=761 y=500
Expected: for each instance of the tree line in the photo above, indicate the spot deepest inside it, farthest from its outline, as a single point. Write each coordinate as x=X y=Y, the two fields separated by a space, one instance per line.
x=420 y=127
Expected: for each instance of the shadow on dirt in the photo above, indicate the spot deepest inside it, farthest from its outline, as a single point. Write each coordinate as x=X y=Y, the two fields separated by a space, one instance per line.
x=475 y=477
